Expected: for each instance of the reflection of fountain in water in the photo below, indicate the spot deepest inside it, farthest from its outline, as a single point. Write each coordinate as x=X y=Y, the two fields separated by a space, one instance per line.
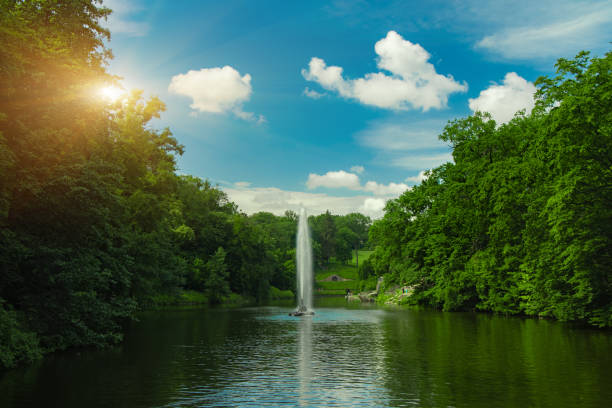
x=305 y=362
x=340 y=359
x=304 y=267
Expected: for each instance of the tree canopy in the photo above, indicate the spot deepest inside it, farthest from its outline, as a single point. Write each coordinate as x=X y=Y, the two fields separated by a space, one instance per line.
x=521 y=221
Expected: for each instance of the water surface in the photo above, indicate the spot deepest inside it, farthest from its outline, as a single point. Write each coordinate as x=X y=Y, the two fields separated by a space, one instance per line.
x=343 y=356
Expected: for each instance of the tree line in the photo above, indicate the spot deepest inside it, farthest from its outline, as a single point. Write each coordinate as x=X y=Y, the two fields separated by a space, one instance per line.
x=95 y=222
x=521 y=221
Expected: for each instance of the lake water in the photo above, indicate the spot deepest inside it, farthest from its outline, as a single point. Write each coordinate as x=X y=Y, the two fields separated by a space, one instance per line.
x=343 y=356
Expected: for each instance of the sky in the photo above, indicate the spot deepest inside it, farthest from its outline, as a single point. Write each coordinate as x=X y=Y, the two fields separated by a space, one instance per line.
x=337 y=105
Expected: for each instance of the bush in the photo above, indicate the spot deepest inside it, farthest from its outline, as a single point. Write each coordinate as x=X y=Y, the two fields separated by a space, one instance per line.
x=16 y=344
x=276 y=293
x=365 y=269
x=368 y=284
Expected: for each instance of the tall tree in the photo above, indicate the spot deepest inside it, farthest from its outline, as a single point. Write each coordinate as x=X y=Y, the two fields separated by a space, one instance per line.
x=520 y=222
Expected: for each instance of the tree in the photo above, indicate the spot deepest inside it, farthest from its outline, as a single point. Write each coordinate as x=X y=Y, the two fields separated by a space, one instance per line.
x=216 y=285
x=324 y=233
x=65 y=267
x=358 y=225
x=520 y=222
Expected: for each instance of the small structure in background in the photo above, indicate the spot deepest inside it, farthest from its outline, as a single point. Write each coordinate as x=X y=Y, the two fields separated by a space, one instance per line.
x=334 y=278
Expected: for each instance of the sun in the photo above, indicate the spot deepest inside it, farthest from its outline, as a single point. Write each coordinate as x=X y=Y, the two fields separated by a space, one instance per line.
x=111 y=93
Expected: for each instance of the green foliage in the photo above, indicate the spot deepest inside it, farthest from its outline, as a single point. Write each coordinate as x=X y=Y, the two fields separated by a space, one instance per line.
x=363 y=255
x=276 y=293
x=368 y=284
x=366 y=270
x=94 y=221
x=16 y=344
x=344 y=248
x=194 y=297
x=215 y=283
x=521 y=221
x=324 y=231
x=337 y=236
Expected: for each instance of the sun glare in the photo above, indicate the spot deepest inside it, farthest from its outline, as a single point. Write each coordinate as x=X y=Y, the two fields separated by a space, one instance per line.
x=111 y=93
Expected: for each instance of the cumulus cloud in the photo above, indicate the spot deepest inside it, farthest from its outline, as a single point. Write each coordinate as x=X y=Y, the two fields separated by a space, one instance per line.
x=503 y=101
x=373 y=206
x=277 y=201
x=385 y=190
x=216 y=90
x=418 y=178
x=312 y=93
x=575 y=26
x=343 y=179
x=413 y=83
x=357 y=169
x=370 y=201
x=334 y=179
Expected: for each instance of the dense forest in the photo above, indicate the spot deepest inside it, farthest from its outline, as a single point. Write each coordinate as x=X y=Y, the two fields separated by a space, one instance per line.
x=521 y=221
x=96 y=223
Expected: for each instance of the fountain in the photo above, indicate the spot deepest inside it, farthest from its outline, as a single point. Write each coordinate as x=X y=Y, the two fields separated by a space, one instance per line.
x=304 y=268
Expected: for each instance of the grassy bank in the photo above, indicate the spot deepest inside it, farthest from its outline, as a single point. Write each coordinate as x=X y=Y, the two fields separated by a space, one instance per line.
x=345 y=270
x=192 y=297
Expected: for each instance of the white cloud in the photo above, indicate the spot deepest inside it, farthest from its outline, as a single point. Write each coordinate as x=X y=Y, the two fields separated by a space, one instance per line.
x=357 y=169
x=418 y=178
x=334 y=179
x=373 y=205
x=342 y=179
x=413 y=83
x=242 y=184
x=573 y=27
x=503 y=101
x=216 y=90
x=385 y=190
x=249 y=116
x=124 y=18
x=277 y=201
x=312 y=93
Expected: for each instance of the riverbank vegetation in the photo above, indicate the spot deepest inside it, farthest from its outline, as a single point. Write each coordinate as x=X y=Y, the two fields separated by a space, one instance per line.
x=521 y=221
x=96 y=223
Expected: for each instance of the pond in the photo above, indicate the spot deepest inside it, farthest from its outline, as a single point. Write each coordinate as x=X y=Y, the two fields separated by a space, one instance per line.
x=345 y=355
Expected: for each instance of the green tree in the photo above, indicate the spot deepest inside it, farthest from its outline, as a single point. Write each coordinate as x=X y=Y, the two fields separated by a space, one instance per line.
x=357 y=234
x=216 y=285
x=520 y=222
x=324 y=233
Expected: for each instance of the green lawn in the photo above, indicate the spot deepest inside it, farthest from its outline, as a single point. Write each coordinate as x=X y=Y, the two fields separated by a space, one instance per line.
x=347 y=271
x=363 y=255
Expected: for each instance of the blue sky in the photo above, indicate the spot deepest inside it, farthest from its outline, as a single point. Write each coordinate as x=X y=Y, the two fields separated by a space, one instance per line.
x=337 y=105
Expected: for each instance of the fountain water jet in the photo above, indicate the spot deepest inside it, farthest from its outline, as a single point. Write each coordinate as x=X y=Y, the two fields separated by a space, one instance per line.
x=304 y=267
